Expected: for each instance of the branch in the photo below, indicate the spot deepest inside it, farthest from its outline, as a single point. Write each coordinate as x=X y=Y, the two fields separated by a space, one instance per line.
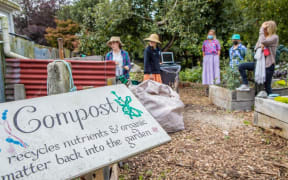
x=143 y=42
x=169 y=44
x=142 y=17
x=160 y=23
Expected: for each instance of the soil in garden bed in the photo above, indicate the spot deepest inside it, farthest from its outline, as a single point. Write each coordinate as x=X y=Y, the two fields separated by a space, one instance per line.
x=216 y=144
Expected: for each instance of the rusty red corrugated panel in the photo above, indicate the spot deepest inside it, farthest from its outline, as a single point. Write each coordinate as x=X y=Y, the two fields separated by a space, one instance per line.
x=33 y=74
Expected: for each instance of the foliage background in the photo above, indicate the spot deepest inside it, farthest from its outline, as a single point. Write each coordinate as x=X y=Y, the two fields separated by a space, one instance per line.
x=66 y=30
x=35 y=17
x=181 y=24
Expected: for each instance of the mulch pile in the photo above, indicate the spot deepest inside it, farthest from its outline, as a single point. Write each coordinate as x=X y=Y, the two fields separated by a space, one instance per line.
x=216 y=144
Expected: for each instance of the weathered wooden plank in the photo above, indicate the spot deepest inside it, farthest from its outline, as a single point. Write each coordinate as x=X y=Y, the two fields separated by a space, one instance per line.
x=222 y=93
x=2 y=73
x=242 y=105
x=272 y=108
x=115 y=172
x=245 y=95
x=220 y=102
x=271 y=124
x=281 y=91
x=99 y=175
x=232 y=105
x=110 y=81
x=231 y=100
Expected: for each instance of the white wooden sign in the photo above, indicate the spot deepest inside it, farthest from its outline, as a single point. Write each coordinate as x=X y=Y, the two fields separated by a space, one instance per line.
x=68 y=135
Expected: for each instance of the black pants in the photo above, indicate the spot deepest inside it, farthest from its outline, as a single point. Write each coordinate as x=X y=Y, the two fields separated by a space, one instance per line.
x=251 y=67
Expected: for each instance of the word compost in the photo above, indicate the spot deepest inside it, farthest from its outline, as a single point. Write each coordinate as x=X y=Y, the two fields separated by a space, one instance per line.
x=67 y=135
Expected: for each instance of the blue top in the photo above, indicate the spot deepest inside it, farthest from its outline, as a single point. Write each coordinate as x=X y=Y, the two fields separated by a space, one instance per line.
x=237 y=55
x=126 y=61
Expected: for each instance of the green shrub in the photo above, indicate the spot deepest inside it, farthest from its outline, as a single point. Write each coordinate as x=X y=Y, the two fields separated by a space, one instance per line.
x=230 y=78
x=191 y=75
x=136 y=76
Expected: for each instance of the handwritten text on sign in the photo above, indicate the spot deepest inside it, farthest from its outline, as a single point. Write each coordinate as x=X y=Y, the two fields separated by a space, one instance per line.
x=67 y=135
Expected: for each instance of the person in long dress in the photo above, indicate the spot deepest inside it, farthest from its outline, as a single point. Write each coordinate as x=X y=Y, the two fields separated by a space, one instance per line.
x=211 y=64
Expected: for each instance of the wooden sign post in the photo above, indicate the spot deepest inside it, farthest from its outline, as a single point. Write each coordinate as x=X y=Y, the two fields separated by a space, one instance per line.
x=68 y=135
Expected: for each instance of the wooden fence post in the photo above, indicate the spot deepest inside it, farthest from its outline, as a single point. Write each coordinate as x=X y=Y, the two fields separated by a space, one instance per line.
x=110 y=81
x=2 y=74
x=60 y=48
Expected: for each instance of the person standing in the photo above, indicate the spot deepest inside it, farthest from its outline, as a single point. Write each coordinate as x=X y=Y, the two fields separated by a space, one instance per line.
x=152 y=59
x=211 y=64
x=121 y=57
x=268 y=41
x=237 y=52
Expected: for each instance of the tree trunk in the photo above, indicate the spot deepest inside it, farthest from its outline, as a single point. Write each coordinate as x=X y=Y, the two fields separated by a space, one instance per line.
x=169 y=44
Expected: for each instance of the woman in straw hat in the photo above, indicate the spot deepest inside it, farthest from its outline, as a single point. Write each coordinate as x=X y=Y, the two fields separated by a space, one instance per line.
x=121 y=57
x=152 y=59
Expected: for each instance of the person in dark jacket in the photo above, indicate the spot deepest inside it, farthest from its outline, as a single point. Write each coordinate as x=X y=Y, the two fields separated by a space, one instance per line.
x=152 y=59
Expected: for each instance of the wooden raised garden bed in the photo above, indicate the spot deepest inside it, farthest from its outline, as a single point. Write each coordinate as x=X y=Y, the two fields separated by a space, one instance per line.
x=231 y=99
x=277 y=89
x=272 y=115
x=280 y=91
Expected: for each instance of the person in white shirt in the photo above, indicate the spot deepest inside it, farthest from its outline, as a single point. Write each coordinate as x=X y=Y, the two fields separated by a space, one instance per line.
x=121 y=57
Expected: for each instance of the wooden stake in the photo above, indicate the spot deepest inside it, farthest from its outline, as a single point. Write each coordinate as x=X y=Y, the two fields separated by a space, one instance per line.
x=115 y=172
x=110 y=81
x=60 y=48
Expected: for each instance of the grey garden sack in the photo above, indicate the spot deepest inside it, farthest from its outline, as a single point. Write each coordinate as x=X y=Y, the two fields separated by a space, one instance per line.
x=162 y=102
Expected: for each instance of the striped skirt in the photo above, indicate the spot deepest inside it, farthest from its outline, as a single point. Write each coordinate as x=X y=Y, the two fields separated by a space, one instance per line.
x=154 y=77
x=211 y=70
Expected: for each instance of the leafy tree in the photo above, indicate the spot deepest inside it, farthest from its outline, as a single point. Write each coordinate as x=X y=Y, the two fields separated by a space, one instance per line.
x=64 y=29
x=76 y=10
x=35 y=17
x=114 y=18
x=256 y=12
x=181 y=24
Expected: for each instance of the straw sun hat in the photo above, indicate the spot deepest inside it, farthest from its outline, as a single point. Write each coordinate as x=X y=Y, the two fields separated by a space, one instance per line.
x=115 y=39
x=154 y=38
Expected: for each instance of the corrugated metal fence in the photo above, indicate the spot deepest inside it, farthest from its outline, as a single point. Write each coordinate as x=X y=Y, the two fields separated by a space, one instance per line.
x=33 y=74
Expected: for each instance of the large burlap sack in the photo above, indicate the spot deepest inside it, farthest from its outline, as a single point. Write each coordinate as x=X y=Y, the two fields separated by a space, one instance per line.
x=162 y=102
